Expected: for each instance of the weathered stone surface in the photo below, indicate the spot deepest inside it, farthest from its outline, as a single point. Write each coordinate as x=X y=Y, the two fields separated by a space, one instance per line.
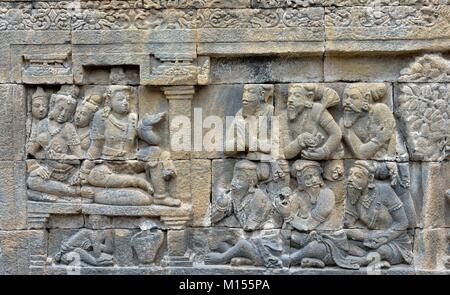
x=201 y=192
x=13 y=200
x=21 y=251
x=13 y=104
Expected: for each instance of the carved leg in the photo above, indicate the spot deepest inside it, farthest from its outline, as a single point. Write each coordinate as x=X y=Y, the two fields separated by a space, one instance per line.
x=389 y=255
x=101 y=176
x=159 y=175
x=312 y=250
x=243 y=248
x=52 y=187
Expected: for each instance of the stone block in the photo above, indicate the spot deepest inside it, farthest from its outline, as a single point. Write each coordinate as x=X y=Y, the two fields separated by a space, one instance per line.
x=13 y=199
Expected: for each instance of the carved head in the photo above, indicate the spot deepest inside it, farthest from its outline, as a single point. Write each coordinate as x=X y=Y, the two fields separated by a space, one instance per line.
x=359 y=96
x=255 y=95
x=118 y=98
x=300 y=96
x=360 y=178
x=354 y=100
x=61 y=107
x=245 y=176
x=86 y=110
x=39 y=104
x=308 y=174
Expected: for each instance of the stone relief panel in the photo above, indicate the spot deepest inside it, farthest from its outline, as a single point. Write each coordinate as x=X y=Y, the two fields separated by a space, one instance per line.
x=208 y=137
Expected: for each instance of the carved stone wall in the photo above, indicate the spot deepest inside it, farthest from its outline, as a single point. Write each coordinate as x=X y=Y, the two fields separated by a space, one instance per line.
x=224 y=137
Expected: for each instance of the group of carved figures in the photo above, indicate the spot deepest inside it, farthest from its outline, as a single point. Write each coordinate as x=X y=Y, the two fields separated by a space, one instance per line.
x=88 y=148
x=275 y=211
x=279 y=196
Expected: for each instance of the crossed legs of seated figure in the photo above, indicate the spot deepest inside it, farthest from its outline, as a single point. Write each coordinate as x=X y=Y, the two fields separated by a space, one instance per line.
x=86 y=257
x=313 y=250
x=243 y=253
x=387 y=256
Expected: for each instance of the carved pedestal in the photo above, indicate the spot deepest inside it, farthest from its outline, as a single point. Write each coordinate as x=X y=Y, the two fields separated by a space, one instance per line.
x=176 y=242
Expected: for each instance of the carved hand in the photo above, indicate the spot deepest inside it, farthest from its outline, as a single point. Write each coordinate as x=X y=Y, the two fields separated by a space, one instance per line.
x=75 y=179
x=150 y=189
x=283 y=207
x=42 y=172
x=375 y=240
x=307 y=140
x=383 y=134
x=315 y=154
x=153 y=119
x=168 y=174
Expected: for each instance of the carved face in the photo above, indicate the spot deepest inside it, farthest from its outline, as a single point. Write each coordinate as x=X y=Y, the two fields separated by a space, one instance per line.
x=310 y=177
x=353 y=100
x=83 y=116
x=62 y=111
x=298 y=99
x=39 y=107
x=353 y=106
x=120 y=103
x=242 y=180
x=357 y=179
x=250 y=100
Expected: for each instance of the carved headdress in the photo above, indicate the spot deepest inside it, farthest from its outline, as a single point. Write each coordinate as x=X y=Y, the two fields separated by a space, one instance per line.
x=301 y=165
x=265 y=91
x=92 y=102
x=110 y=93
x=366 y=167
x=39 y=93
x=326 y=96
x=57 y=98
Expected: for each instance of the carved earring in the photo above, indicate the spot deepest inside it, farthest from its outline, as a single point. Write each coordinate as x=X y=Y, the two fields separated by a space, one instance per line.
x=365 y=106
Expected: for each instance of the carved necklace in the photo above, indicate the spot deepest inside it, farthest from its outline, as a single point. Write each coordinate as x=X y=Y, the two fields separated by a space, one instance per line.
x=117 y=123
x=53 y=130
x=367 y=200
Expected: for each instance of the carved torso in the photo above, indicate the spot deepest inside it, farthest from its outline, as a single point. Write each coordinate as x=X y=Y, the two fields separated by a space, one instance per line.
x=374 y=210
x=119 y=135
x=56 y=139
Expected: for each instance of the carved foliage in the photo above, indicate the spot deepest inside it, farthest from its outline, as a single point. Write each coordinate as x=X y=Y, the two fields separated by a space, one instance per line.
x=427 y=68
x=385 y=16
x=260 y=18
x=424 y=112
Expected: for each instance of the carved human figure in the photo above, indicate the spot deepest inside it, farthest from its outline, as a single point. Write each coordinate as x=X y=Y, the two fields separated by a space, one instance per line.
x=83 y=117
x=255 y=211
x=56 y=136
x=114 y=136
x=89 y=246
x=252 y=128
x=160 y=169
x=312 y=132
x=304 y=211
x=400 y=179
x=368 y=127
x=39 y=111
x=57 y=141
x=375 y=218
